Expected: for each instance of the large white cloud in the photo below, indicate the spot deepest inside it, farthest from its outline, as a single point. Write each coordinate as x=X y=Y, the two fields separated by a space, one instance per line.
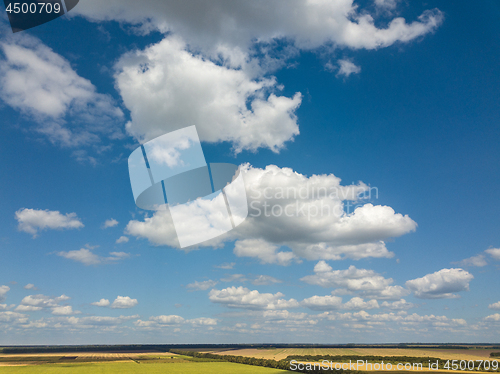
x=37 y=81
x=166 y=87
x=206 y=72
x=441 y=284
x=32 y=220
x=241 y=297
x=309 y=24
x=306 y=214
x=367 y=282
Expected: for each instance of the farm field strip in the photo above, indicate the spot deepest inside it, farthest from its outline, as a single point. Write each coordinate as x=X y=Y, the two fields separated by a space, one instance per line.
x=134 y=368
x=444 y=354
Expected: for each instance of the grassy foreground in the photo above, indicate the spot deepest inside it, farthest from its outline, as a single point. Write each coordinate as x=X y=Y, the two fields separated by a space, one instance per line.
x=132 y=368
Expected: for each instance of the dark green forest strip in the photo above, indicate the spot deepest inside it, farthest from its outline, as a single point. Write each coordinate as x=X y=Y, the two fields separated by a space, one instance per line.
x=281 y=364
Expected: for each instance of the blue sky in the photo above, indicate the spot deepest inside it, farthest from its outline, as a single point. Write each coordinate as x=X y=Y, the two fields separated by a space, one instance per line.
x=402 y=98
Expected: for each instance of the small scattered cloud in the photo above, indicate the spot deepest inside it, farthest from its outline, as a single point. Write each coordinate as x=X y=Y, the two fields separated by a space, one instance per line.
x=226 y=265
x=441 y=285
x=87 y=257
x=124 y=302
x=478 y=261
x=267 y=253
x=234 y=278
x=494 y=306
x=30 y=286
x=101 y=303
x=367 y=282
x=110 y=223
x=344 y=68
x=122 y=239
x=115 y=256
x=241 y=297
x=32 y=221
x=63 y=311
x=324 y=303
x=494 y=253
x=387 y=4
x=35 y=303
x=265 y=280
x=398 y=305
x=493 y=318
x=201 y=286
x=28 y=308
x=166 y=321
x=3 y=292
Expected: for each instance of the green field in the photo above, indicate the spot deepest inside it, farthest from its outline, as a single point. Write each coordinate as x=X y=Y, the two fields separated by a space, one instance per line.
x=132 y=368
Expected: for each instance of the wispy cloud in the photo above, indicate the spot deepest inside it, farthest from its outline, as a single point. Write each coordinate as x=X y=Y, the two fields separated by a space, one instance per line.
x=87 y=257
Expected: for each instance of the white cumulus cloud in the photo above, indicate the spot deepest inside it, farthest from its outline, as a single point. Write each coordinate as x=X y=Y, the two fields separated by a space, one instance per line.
x=494 y=253
x=347 y=67
x=109 y=223
x=367 y=282
x=309 y=215
x=495 y=305
x=37 y=81
x=63 y=310
x=162 y=84
x=398 y=305
x=493 y=318
x=478 y=261
x=124 y=302
x=122 y=239
x=264 y=280
x=264 y=251
x=241 y=297
x=32 y=220
x=101 y=303
x=441 y=285
x=308 y=24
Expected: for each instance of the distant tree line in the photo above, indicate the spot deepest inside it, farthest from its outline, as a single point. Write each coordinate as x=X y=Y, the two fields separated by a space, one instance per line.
x=281 y=364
